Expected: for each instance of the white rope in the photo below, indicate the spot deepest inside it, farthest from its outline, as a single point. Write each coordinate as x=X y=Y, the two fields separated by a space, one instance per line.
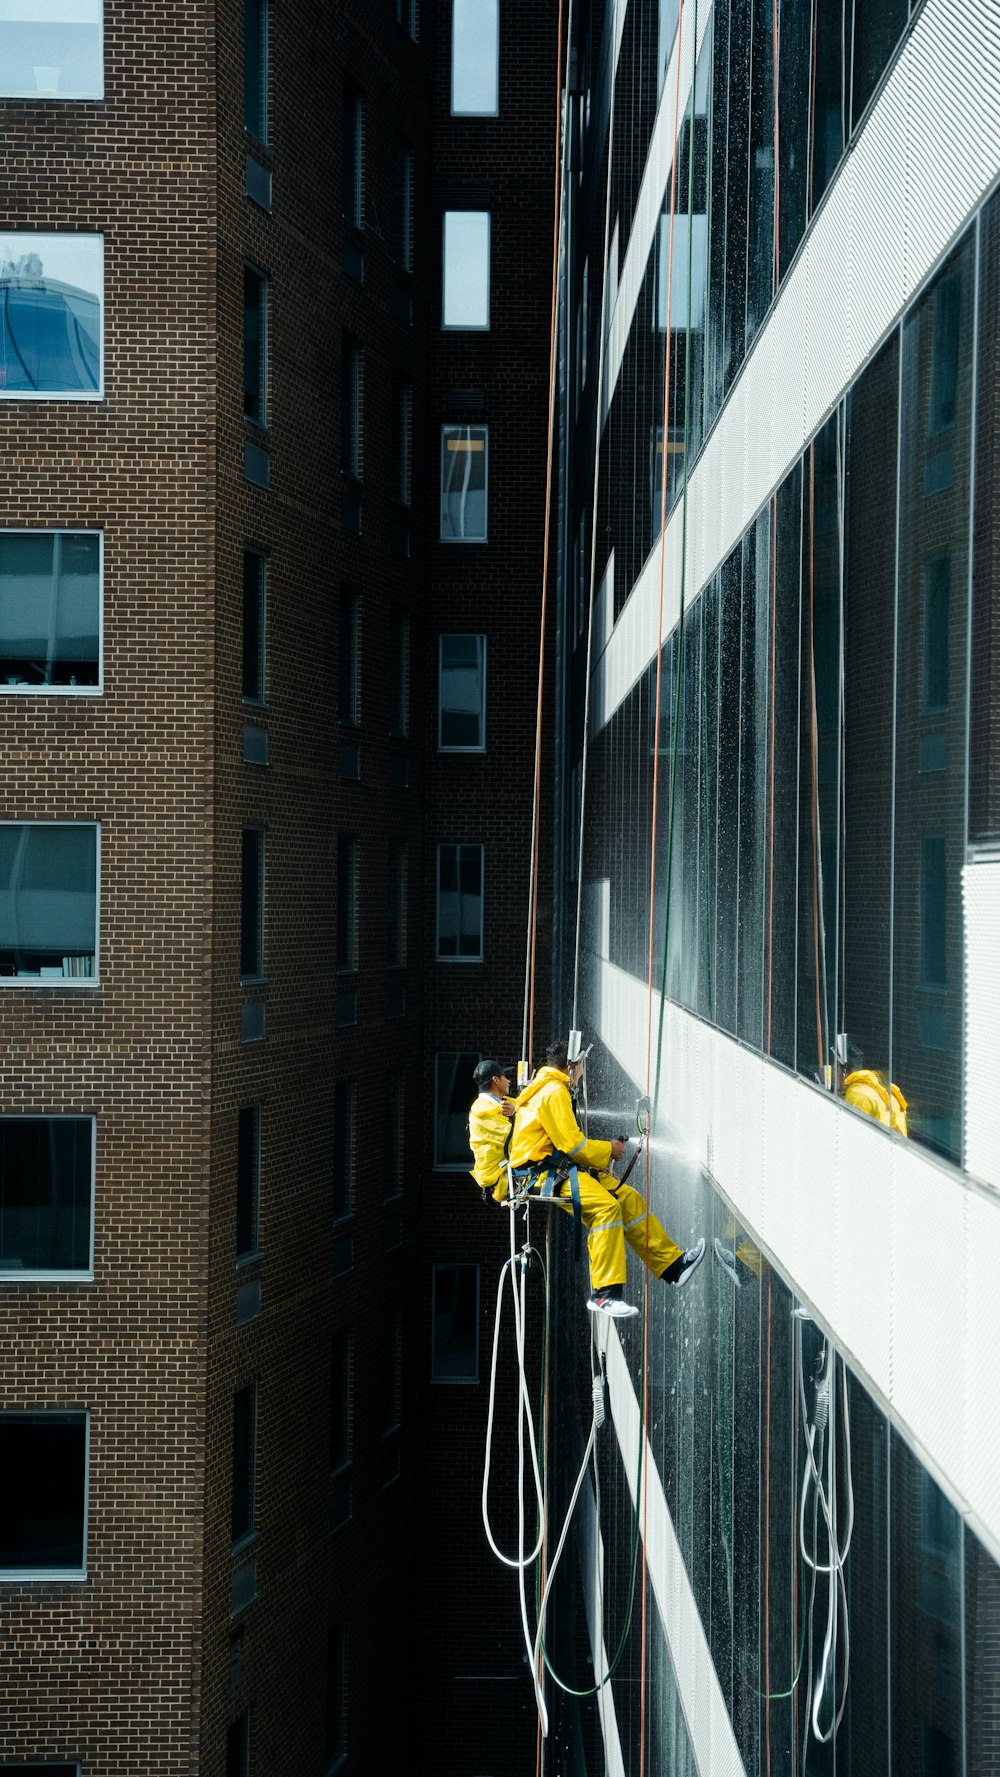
x=821 y=1450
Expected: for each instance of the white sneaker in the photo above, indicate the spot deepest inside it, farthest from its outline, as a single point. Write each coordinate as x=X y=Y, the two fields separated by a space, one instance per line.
x=727 y=1259
x=692 y=1259
x=601 y=1303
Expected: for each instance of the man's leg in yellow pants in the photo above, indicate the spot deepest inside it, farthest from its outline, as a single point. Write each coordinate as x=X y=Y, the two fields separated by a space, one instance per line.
x=602 y=1219
x=662 y=1251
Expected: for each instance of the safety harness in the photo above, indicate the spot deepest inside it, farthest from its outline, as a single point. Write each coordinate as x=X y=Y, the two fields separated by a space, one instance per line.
x=542 y=1177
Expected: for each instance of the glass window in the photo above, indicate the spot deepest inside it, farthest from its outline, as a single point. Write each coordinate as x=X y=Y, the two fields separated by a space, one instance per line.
x=462 y=708
x=466 y=300
x=455 y=1329
x=254 y=345
x=401 y=434
x=52 y=50
x=460 y=903
x=406 y=15
x=463 y=484
x=402 y=204
x=48 y=902
x=399 y=674
x=454 y=1090
x=43 y=1495
x=255 y=67
x=353 y=162
x=341 y=1388
x=50 y=609
x=347 y=903
x=350 y=408
x=336 y=1693
x=252 y=906
x=349 y=702
x=878 y=26
x=396 y=911
x=238 y=1746
x=475 y=58
x=46 y=1196
x=248 y=1182
x=937 y=602
x=244 y=1463
x=51 y=302
x=343 y=1150
x=254 y=625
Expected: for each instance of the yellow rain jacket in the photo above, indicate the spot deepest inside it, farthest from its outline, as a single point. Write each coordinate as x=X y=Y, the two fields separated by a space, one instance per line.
x=488 y=1131
x=868 y=1093
x=544 y=1120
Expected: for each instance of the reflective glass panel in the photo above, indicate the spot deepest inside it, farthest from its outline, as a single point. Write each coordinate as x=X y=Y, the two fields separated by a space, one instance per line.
x=475 y=58
x=50 y=608
x=46 y=1192
x=52 y=300
x=466 y=298
x=463 y=484
x=48 y=901
x=51 y=49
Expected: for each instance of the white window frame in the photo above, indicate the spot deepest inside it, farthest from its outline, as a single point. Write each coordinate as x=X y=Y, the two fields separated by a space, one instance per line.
x=46 y=98
x=75 y=983
x=478 y=111
x=6 y=690
x=448 y=431
x=459 y=845
x=54 y=1274
x=31 y=237
x=455 y=1265
x=31 y=1575
x=466 y=326
x=454 y=635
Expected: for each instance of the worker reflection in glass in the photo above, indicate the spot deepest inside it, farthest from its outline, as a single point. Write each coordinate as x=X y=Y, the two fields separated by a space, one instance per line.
x=489 y=1127
x=547 y=1139
x=864 y=1089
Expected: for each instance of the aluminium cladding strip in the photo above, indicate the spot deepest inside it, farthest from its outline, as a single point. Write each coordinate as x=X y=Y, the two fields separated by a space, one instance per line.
x=894 y=1250
x=592 y=1566
x=710 y=1729
x=927 y=156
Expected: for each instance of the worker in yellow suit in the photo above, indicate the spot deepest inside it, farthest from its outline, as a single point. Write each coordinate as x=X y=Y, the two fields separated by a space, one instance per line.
x=489 y=1127
x=547 y=1138
x=865 y=1090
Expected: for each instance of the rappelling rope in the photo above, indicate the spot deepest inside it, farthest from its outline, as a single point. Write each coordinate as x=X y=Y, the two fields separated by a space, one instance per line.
x=601 y=358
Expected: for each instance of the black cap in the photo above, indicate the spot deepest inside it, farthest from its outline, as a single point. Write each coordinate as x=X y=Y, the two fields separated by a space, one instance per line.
x=487 y=1072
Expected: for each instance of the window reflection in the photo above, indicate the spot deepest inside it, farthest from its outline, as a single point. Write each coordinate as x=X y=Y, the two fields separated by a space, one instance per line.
x=51 y=303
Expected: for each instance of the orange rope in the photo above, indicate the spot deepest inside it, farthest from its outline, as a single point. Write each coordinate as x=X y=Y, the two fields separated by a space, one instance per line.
x=652 y=883
x=547 y=533
x=767 y=1536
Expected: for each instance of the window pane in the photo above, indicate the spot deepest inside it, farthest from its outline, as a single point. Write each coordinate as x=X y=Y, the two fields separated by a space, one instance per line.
x=352 y=162
x=394 y=1132
x=52 y=51
x=454 y=1092
x=252 y=905
x=46 y=1187
x=254 y=583
x=350 y=408
x=51 y=300
x=347 y=902
x=475 y=30
x=255 y=68
x=43 y=1464
x=50 y=607
x=878 y=26
x=466 y=269
x=254 y=345
x=456 y=1324
x=402 y=243
x=402 y=427
x=48 y=901
x=463 y=484
x=463 y=694
x=343 y=1149
x=244 y=1456
x=247 y=1180
x=392 y=1360
x=460 y=902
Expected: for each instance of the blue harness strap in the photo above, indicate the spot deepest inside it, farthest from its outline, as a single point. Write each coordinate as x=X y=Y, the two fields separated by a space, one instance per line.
x=553 y=1171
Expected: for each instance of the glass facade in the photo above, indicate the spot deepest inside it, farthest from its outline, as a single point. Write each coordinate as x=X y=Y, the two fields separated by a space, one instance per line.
x=52 y=303
x=816 y=758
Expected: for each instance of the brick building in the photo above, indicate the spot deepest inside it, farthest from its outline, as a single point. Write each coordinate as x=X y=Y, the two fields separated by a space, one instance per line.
x=263 y=865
